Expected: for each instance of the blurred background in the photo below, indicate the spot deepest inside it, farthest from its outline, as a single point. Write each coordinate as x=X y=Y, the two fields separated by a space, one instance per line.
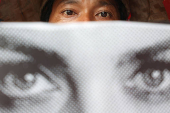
x=29 y=10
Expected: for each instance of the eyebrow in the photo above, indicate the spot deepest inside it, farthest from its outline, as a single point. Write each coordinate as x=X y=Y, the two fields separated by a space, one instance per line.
x=43 y=58
x=146 y=57
x=48 y=59
x=70 y=2
x=146 y=53
x=104 y=3
x=153 y=50
x=40 y=57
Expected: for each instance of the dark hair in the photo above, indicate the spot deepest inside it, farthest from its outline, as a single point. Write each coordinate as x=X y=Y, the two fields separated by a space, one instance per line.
x=47 y=9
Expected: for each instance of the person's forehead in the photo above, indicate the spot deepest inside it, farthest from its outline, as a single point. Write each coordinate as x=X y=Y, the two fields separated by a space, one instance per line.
x=94 y=2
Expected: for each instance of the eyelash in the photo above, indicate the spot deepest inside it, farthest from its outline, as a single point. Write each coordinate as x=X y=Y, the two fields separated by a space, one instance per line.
x=110 y=14
x=150 y=79
x=69 y=10
x=151 y=70
x=74 y=13
x=19 y=80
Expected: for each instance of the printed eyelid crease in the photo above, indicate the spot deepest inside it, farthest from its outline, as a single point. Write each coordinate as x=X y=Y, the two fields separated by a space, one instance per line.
x=29 y=66
x=41 y=59
x=142 y=62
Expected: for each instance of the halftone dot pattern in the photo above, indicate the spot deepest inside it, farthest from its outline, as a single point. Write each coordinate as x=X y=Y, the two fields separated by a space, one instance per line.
x=106 y=67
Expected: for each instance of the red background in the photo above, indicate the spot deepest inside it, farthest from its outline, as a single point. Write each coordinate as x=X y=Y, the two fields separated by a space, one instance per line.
x=167 y=7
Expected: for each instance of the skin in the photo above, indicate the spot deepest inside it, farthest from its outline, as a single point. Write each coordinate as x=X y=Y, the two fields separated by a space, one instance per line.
x=83 y=10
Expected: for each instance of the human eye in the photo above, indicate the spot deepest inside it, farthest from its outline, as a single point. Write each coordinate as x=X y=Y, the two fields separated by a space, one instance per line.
x=104 y=14
x=28 y=83
x=68 y=13
x=33 y=78
x=149 y=79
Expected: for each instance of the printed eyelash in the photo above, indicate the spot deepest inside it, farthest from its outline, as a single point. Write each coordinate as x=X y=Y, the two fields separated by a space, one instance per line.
x=154 y=65
x=19 y=69
x=149 y=78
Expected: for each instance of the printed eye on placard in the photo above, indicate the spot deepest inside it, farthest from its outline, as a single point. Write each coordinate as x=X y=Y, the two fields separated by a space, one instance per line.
x=148 y=75
x=30 y=84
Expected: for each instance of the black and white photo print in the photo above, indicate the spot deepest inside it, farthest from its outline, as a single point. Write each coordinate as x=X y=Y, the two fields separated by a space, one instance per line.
x=106 y=67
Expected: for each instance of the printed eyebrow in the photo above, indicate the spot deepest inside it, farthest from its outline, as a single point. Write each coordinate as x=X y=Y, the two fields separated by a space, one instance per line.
x=41 y=57
x=152 y=51
x=146 y=58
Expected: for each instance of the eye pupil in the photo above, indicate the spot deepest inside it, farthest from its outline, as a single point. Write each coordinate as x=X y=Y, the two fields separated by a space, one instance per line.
x=153 y=78
x=104 y=14
x=155 y=74
x=29 y=77
x=69 y=12
x=26 y=82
